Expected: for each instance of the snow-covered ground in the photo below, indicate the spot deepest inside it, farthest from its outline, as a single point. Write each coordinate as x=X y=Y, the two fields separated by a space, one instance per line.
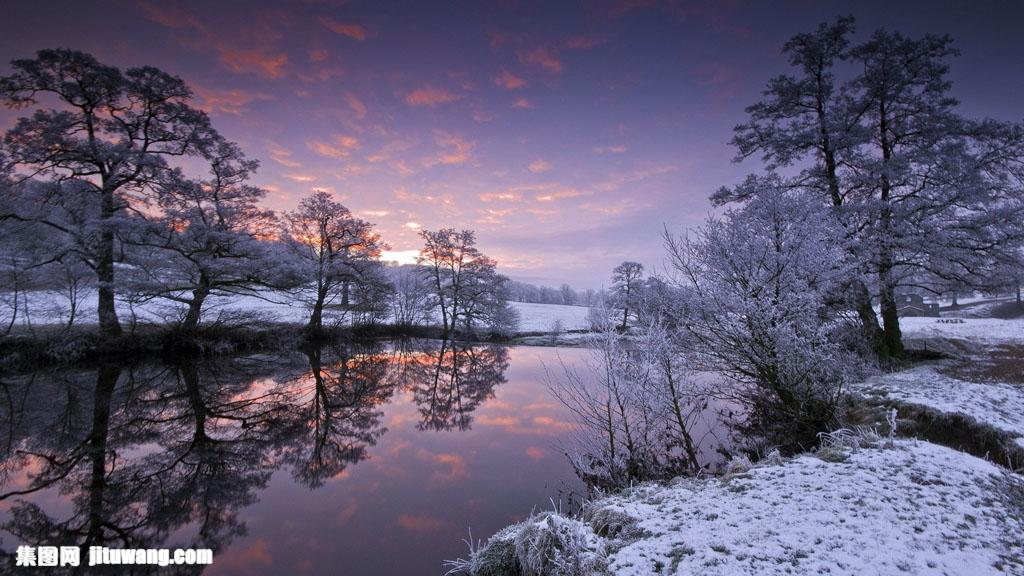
x=542 y=317
x=916 y=508
x=979 y=331
x=49 y=309
x=902 y=508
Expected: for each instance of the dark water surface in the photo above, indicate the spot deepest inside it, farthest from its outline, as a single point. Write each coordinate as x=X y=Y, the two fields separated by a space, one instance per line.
x=369 y=459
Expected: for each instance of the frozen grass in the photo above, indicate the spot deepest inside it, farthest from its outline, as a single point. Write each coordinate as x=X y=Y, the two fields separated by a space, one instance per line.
x=915 y=508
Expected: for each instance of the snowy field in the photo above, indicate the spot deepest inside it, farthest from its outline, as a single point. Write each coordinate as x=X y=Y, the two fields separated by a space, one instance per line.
x=916 y=508
x=981 y=331
x=49 y=309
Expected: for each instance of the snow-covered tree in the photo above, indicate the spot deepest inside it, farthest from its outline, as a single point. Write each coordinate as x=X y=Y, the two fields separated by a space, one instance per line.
x=920 y=189
x=758 y=283
x=627 y=279
x=466 y=287
x=209 y=236
x=109 y=132
x=334 y=247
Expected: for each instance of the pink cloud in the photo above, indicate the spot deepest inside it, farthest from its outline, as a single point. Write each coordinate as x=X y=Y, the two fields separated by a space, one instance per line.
x=522 y=103
x=509 y=81
x=455 y=150
x=169 y=16
x=539 y=165
x=613 y=149
x=225 y=101
x=259 y=61
x=430 y=96
x=356 y=105
x=340 y=146
x=354 y=31
x=543 y=57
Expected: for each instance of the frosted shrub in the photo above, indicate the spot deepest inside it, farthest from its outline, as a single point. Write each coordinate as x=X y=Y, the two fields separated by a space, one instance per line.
x=497 y=557
x=550 y=544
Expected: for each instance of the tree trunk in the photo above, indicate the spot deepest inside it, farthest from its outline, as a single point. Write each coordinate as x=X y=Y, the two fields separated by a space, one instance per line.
x=195 y=307
x=1018 y=292
x=110 y=327
x=955 y=303
x=892 y=337
x=316 y=318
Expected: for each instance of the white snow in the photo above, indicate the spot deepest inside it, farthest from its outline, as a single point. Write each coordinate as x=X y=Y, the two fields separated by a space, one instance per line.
x=46 y=308
x=976 y=330
x=915 y=508
x=542 y=317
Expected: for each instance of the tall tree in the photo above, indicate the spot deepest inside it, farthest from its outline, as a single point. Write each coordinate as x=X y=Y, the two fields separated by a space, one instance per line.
x=920 y=189
x=626 y=282
x=334 y=247
x=111 y=132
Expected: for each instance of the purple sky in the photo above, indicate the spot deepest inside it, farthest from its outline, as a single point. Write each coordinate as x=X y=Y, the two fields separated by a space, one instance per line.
x=567 y=134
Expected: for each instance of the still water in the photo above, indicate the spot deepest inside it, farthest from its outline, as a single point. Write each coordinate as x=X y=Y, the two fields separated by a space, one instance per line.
x=368 y=459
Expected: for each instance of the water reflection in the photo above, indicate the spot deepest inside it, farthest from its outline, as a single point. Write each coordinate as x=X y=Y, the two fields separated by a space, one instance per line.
x=170 y=455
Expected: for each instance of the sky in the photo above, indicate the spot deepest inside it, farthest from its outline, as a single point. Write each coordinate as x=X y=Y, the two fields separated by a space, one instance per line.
x=569 y=135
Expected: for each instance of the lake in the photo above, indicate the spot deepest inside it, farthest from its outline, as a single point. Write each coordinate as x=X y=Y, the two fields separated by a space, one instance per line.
x=350 y=459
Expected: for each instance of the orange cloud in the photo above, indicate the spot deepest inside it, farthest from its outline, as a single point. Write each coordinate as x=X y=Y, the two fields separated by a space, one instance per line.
x=259 y=61
x=543 y=57
x=509 y=81
x=354 y=31
x=430 y=96
x=615 y=149
x=300 y=177
x=340 y=146
x=538 y=166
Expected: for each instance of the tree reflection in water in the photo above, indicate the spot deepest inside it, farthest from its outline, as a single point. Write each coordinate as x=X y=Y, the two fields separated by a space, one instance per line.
x=168 y=455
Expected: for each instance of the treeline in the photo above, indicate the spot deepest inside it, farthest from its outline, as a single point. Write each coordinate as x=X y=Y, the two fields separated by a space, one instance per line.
x=95 y=199
x=564 y=294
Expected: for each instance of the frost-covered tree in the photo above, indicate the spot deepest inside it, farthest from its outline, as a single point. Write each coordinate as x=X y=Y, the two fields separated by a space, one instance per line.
x=334 y=248
x=106 y=131
x=627 y=279
x=758 y=284
x=209 y=237
x=411 y=296
x=921 y=190
x=466 y=287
